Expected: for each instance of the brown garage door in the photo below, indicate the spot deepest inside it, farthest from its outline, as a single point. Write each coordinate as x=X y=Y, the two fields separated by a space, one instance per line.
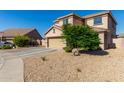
x=56 y=43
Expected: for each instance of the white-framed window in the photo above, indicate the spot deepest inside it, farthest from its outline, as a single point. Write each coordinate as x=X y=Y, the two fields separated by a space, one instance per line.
x=65 y=21
x=53 y=30
x=98 y=20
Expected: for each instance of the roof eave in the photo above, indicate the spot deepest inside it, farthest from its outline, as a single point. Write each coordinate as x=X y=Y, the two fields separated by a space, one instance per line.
x=62 y=17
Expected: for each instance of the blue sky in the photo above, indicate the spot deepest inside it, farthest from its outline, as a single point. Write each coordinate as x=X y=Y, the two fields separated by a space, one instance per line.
x=43 y=19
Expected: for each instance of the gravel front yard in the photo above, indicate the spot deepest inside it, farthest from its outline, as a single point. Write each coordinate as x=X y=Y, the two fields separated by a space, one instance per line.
x=58 y=66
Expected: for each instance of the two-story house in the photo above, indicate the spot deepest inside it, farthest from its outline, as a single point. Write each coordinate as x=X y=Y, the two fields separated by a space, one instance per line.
x=104 y=23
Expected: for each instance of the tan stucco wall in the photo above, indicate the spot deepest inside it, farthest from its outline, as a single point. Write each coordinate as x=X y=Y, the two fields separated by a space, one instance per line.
x=90 y=22
x=71 y=20
x=44 y=42
x=77 y=21
x=109 y=39
x=106 y=39
x=119 y=42
x=51 y=34
x=102 y=40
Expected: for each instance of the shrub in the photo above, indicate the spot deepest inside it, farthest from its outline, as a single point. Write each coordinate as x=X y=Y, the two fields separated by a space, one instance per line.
x=67 y=49
x=5 y=47
x=43 y=58
x=78 y=70
x=80 y=36
x=21 y=41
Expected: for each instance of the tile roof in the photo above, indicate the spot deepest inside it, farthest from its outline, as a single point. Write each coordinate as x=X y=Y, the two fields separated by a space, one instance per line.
x=88 y=16
x=71 y=14
x=96 y=14
x=16 y=32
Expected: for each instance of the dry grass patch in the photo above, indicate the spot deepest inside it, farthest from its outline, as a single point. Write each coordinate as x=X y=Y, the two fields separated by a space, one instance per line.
x=61 y=66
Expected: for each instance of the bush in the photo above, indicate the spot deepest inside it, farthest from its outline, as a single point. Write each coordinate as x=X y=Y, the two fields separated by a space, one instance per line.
x=43 y=58
x=5 y=47
x=21 y=41
x=80 y=36
x=67 y=49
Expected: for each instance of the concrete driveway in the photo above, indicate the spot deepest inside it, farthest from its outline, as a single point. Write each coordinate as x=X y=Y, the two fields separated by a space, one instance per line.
x=11 y=64
x=25 y=52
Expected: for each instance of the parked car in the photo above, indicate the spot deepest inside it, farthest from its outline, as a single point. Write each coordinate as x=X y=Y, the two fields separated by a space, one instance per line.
x=7 y=44
x=1 y=43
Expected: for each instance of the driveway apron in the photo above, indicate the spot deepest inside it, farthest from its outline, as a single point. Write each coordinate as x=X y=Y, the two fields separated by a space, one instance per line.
x=11 y=70
x=11 y=64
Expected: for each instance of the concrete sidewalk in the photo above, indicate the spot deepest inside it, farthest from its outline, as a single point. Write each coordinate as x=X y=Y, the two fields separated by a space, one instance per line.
x=12 y=71
x=11 y=64
x=1 y=62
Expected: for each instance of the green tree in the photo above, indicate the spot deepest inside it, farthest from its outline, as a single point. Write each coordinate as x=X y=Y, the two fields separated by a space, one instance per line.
x=21 y=41
x=80 y=36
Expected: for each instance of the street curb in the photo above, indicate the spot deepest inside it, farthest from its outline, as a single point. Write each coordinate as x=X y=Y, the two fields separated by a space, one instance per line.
x=29 y=54
x=2 y=62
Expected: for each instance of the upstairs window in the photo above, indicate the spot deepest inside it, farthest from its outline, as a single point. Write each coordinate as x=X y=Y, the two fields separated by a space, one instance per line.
x=98 y=20
x=65 y=21
x=53 y=30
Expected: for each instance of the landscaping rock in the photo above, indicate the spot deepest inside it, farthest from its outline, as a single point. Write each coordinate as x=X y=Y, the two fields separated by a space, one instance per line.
x=75 y=52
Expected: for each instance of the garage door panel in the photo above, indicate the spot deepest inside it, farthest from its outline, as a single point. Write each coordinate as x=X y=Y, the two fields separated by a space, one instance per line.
x=56 y=43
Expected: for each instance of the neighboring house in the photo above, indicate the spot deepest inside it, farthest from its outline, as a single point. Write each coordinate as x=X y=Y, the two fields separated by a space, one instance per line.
x=9 y=34
x=104 y=23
